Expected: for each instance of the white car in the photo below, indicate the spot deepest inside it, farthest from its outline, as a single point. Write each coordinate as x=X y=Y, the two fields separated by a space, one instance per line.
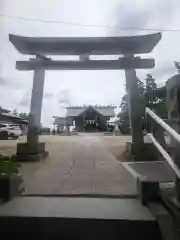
x=13 y=130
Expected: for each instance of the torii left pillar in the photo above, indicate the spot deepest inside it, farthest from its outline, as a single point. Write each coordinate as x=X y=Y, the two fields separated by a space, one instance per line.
x=33 y=150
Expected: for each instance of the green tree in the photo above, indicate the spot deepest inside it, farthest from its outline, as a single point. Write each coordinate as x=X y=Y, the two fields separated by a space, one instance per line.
x=177 y=66
x=124 y=99
x=155 y=97
x=124 y=114
x=141 y=86
x=150 y=89
x=15 y=112
x=150 y=95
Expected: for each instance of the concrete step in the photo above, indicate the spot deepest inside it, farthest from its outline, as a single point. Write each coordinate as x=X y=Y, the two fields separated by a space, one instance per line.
x=78 y=218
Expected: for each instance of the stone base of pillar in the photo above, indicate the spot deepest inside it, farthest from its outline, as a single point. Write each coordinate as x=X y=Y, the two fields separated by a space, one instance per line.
x=5 y=158
x=30 y=152
x=143 y=152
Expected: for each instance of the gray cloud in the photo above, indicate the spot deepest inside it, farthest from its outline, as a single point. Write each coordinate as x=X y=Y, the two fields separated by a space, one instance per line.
x=154 y=14
x=48 y=95
x=166 y=69
x=64 y=97
x=7 y=83
x=3 y=82
x=130 y=17
x=25 y=99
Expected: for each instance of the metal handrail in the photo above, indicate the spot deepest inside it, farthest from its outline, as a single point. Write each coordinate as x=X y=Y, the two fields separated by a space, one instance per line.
x=165 y=155
x=172 y=132
x=164 y=125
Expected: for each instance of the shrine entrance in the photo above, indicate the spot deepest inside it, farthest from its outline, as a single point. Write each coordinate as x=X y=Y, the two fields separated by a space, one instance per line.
x=93 y=121
x=84 y=47
x=90 y=118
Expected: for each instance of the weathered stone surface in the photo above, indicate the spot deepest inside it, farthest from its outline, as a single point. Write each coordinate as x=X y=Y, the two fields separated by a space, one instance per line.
x=26 y=148
x=79 y=165
x=30 y=152
x=30 y=157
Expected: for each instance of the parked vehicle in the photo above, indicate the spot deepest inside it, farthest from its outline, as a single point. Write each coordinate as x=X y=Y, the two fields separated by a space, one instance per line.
x=11 y=130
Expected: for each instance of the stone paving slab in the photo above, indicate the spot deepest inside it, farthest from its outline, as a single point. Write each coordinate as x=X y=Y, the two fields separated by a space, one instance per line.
x=82 y=165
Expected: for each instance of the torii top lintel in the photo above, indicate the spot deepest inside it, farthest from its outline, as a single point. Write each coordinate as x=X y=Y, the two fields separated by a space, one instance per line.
x=85 y=45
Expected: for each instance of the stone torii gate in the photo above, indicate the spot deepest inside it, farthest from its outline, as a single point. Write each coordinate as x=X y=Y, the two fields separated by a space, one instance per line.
x=42 y=47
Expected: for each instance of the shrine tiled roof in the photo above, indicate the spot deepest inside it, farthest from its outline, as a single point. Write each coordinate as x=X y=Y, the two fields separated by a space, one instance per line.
x=106 y=111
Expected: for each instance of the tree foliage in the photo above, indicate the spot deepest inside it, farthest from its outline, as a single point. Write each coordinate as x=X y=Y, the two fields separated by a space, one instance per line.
x=177 y=66
x=146 y=89
x=124 y=99
x=147 y=92
x=150 y=89
x=15 y=112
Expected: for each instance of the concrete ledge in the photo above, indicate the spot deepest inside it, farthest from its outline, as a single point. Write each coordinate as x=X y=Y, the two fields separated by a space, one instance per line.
x=148 y=176
x=158 y=171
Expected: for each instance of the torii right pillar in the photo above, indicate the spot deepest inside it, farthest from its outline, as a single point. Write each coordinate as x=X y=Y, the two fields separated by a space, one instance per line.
x=135 y=108
x=136 y=112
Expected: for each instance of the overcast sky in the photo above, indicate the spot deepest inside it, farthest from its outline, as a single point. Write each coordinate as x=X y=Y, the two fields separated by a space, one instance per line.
x=63 y=88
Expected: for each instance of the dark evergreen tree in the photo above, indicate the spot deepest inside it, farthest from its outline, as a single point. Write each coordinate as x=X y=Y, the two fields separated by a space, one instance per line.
x=177 y=66
x=150 y=89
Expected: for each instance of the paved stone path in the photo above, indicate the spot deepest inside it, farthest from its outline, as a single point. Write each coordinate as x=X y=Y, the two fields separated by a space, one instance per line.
x=78 y=165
